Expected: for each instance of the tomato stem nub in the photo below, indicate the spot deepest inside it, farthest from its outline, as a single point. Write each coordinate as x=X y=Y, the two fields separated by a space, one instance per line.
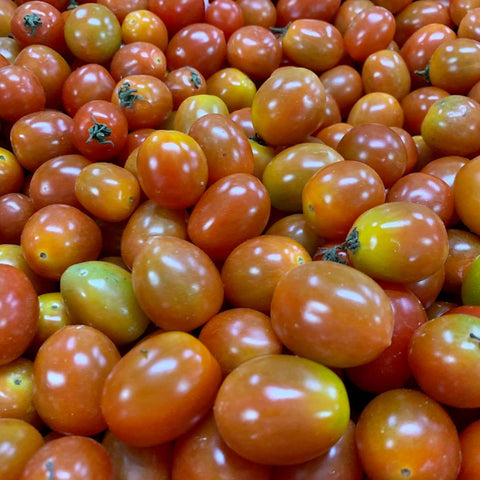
x=257 y=138
x=98 y=132
x=425 y=73
x=405 y=472
x=280 y=31
x=195 y=78
x=72 y=4
x=127 y=95
x=351 y=244
x=475 y=337
x=51 y=470
x=32 y=21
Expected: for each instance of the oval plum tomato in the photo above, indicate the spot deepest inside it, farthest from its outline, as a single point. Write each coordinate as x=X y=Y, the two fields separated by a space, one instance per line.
x=93 y=33
x=16 y=391
x=466 y=194
x=428 y=289
x=15 y=210
x=38 y=23
x=376 y=107
x=244 y=214
x=225 y=145
x=70 y=369
x=379 y=147
x=288 y=10
x=20 y=441
x=176 y=283
x=138 y=58
x=257 y=401
x=88 y=82
x=347 y=12
x=390 y=369
x=19 y=313
x=177 y=14
x=160 y=389
x=184 y=82
x=443 y=359
x=332 y=314
x=313 y=44
x=450 y=126
x=57 y=236
x=470 y=292
x=100 y=130
x=11 y=172
x=337 y=194
x=144 y=26
x=40 y=136
x=251 y=271
x=50 y=68
x=292 y=93
x=90 y=289
x=109 y=192
x=254 y=50
x=398 y=242
x=132 y=463
x=202 y=453
x=468 y=26
x=172 y=169
x=258 y=12
x=148 y=220
x=145 y=100
x=19 y=102
x=371 y=30
x=403 y=433
x=341 y=461
x=199 y=45
x=54 y=181
x=455 y=66
x=287 y=173
x=237 y=335
x=74 y=457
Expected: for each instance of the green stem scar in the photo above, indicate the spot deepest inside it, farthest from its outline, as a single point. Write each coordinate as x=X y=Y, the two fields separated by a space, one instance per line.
x=32 y=21
x=99 y=132
x=351 y=244
x=128 y=95
x=195 y=78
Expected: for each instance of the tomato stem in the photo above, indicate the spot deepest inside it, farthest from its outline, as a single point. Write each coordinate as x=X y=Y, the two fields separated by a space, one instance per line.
x=32 y=21
x=405 y=472
x=98 y=132
x=72 y=4
x=257 y=138
x=127 y=95
x=280 y=31
x=425 y=73
x=351 y=244
x=195 y=78
x=475 y=337
x=51 y=470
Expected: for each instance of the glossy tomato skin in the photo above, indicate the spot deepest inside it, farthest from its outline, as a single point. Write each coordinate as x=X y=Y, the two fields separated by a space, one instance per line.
x=172 y=169
x=281 y=409
x=465 y=194
x=201 y=453
x=400 y=242
x=176 y=284
x=244 y=214
x=403 y=433
x=315 y=317
x=57 y=236
x=178 y=14
x=470 y=457
x=73 y=457
x=100 y=294
x=293 y=93
x=171 y=379
x=19 y=313
x=15 y=210
x=69 y=371
x=12 y=175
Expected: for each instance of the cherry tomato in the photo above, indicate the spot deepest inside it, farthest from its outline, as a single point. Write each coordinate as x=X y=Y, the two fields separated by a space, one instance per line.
x=376 y=107
x=123 y=7
x=177 y=14
x=225 y=15
x=288 y=10
x=332 y=314
x=258 y=12
x=19 y=307
x=257 y=401
x=465 y=194
x=403 y=433
x=470 y=458
x=160 y=389
x=15 y=210
x=143 y=25
x=11 y=172
x=184 y=82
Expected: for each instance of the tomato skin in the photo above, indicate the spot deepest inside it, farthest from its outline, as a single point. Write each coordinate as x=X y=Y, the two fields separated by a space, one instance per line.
x=88 y=288
x=141 y=25
x=280 y=97
x=314 y=318
x=257 y=402
x=176 y=284
x=470 y=458
x=17 y=103
x=73 y=457
x=424 y=438
x=19 y=313
x=68 y=380
x=15 y=210
x=469 y=287
x=244 y=214
x=11 y=173
x=400 y=242
x=93 y=33
x=184 y=82
x=172 y=380
x=180 y=178
x=177 y=14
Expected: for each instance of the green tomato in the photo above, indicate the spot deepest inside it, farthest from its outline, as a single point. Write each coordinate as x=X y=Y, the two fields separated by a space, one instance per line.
x=471 y=284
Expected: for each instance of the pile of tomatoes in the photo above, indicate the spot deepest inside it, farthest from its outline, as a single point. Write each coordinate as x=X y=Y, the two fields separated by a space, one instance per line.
x=240 y=239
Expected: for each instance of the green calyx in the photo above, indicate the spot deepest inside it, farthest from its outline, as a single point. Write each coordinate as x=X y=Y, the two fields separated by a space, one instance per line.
x=32 y=21
x=99 y=132
x=127 y=95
